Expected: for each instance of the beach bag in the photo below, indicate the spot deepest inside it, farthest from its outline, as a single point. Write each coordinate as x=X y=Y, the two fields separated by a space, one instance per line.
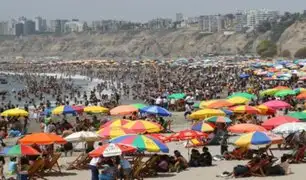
x=240 y=170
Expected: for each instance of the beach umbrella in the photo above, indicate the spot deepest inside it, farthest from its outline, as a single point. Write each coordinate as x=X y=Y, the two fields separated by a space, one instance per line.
x=19 y=150
x=177 y=96
x=277 y=104
x=48 y=111
x=205 y=113
x=301 y=96
x=82 y=136
x=112 y=132
x=300 y=90
x=196 y=105
x=238 y=100
x=16 y=112
x=64 y=110
x=242 y=94
x=216 y=104
x=203 y=126
x=227 y=112
x=193 y=143
x=110 y=150
x=78 y=108
x=289 y=128
x=139 y=105
x=265 y=110
x=245 y=109
x=115 y=123
x=96 y=109
x=219 y=119
x=268 y=92
x=42 y=139
x=298 y=115
x=142 y=126
x=286 y=92
x=279 y=120
x=245 y=128
x=158 y=136
x=142 y=143
x=157 y=110
x=186 y=134
x=243 y=75
x=281 y=87
x=123 y=110
x=253 y=138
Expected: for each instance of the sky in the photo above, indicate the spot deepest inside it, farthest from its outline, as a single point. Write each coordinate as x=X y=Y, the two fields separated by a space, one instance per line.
x=135 y=10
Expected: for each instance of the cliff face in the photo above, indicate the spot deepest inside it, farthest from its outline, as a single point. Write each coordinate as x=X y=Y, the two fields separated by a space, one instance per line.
x=293 y=38
x=184 y=42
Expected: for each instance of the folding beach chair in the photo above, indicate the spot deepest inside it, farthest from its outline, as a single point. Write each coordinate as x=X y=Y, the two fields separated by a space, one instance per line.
x=36 y=169
x=53 y=165
x=80 y=162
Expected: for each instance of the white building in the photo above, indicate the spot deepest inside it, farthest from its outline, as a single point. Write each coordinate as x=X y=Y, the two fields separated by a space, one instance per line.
x=256 y=17
x=211 y=23
x=38 y=24
x=240 y=22
x=8 y=27
x=73 y=26
x=179 y=17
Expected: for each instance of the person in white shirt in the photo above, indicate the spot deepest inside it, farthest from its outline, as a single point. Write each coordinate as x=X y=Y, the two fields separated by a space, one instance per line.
x=94 y=169
x=158 y=101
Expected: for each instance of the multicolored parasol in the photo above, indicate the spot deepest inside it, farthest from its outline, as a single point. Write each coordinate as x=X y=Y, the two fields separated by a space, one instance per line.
x=219 y=119
x=142 y=126
x=112 y=132
x=142 y=143
x=20 y=150
x=203 y=126
x=245 y=109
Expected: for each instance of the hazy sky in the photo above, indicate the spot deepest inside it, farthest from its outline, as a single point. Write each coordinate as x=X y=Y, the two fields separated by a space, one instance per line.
x=136 y=10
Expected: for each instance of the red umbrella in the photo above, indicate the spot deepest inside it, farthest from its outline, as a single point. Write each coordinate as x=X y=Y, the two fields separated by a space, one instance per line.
x=160 y=137
x=276 y=121
x=186 y=135
x=109 y=150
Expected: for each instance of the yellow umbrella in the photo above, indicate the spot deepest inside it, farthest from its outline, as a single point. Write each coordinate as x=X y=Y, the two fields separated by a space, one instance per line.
x=205 y=113
x=15 y=112
x=95 y=109
x=238 y=100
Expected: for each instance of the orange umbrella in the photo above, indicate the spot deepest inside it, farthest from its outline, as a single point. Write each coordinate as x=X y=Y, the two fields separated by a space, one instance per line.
x=215 y=104
x=42 y=139
x=301 y=96
x=245 y=128
x=281 y=87
x=123 y=110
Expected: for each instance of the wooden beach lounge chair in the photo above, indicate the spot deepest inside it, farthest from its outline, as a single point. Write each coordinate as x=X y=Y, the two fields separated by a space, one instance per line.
x=36 y=168
x=137 y=169
x=53 y=165
x=80 y=162
x=149 y=167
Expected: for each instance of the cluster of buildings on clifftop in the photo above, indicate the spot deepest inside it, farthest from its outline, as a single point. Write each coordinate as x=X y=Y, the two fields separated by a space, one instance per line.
x=237 y=22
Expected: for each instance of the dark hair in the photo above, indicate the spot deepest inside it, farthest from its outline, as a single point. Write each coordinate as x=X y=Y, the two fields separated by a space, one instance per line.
x=284 y=158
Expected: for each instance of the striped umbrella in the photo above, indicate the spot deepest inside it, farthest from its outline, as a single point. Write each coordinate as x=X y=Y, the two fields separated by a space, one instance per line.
x=253 y=138
x=112 y=132
x=219 y=119
x=115 y=123
x=20 y=150
x=64 y=110
x=142 y=126
x=203 y=126
x=245 y=109
x=110 y=150
x=142 y=143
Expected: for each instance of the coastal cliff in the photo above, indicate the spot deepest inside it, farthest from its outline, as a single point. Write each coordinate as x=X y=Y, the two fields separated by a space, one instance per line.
x=182 y=42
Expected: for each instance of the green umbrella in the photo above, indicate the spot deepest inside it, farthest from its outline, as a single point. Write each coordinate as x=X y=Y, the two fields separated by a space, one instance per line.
x=242 y=94
x=285 y=92
x=298 y=115
x=139 y=105
x=177 y=96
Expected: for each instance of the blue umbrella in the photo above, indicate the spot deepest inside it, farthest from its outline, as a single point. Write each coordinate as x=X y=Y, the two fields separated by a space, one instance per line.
x=155 y=110
x=244 y=75
x=227 y=112
x=48 y=111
